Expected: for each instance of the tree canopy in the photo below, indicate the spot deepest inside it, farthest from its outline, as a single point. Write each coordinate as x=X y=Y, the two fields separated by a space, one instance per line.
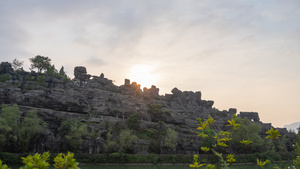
x=40 y=62
x=17 y=64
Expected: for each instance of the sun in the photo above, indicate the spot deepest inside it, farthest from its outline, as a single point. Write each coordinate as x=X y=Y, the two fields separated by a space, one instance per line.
x=143 y=75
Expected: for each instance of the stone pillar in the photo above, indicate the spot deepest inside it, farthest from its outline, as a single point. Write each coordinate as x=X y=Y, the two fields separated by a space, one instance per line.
x=127 y=82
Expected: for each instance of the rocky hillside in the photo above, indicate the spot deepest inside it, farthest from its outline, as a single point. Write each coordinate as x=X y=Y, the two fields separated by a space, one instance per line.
x=96 y=101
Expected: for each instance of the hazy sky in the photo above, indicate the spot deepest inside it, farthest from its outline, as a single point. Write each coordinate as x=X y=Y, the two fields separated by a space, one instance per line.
x=241 y=54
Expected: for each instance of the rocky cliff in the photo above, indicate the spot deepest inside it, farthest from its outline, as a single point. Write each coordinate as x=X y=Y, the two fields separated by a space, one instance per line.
x=96 y=100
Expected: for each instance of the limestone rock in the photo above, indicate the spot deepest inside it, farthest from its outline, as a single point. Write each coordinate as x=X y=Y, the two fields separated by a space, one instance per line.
x=5 y=68
x=97 y=101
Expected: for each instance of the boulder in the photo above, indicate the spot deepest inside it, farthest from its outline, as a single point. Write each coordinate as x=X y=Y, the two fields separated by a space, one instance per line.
x=5 y=68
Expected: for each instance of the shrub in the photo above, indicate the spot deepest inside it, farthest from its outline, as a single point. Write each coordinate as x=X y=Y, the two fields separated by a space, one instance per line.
x=133 y=121
x=4 y=78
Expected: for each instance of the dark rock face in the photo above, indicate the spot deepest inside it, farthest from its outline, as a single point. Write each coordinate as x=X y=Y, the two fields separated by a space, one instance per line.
x=80 y=74
x=98 y=100
x=252 y=116
x=5 y=68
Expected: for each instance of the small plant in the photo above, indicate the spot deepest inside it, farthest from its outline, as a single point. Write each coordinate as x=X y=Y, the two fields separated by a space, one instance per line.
x=133 y=121
x=220 y=139
x=64 y=161
x=41 y=80
x=155 y=108
x=3 y=166
x=261 y=163
x=40 y=161
x=36 y=161
x=297 y=160
x=4 y=78
x=273 y=134
x=196 y=164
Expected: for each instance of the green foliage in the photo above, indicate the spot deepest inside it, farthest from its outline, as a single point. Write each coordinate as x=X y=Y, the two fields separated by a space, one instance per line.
x=127 y=140
x=196 y=164
x=123 y=141
x=73 y=130
x=230 y=158
x=41 y=80
x=17 y=65
x=157 y=109
x=40 y=62
x=233 y=123
x=297 y=160
x=205 y=149
x=11 y=115
x=154 y=108
x=106 y=124
x=171 y=138
x=9 y=125
x=4 y=78
x=3 y=166
x=52 y=72
x=133 y=121
x=273 y=134
x=110 y=144
x=67 y=161
x=155 y=141
x=62 y=71
x=249 y=132
x=36 y=161
x=29 y=130
x=220 y=140
x=145 y=134
x=12 y=130
x=262 y=163
x=161 y=123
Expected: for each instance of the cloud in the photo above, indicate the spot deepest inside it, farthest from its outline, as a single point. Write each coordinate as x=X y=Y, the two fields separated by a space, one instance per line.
x=213 y=45
x=95 y=62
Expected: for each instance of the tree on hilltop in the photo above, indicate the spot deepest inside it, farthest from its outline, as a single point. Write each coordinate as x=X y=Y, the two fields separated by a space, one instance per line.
x=40 y=62
x=17 y=64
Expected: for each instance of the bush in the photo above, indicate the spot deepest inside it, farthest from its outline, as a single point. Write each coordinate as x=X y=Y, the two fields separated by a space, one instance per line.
x=155 y=108
x=4 y=78
x=133 y=121
x=73 y=130
x=41 y=80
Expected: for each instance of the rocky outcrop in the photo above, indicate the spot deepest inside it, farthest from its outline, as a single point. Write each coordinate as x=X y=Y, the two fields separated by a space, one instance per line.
x=6 y=68
x=252 y=116
x=96 y=100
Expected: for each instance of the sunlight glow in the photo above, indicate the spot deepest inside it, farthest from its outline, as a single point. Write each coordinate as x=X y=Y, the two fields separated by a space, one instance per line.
x=143 y=75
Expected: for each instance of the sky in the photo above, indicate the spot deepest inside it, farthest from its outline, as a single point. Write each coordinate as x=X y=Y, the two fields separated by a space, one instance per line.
x=240 y=54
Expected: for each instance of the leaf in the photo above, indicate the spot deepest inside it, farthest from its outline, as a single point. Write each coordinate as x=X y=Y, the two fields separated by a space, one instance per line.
x=205 y=149
x=273 y=134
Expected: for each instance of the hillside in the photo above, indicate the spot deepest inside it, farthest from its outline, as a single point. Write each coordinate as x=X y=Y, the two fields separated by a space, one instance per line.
x=107 y=108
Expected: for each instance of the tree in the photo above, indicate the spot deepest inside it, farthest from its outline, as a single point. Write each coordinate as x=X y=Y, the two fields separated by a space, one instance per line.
x=9 y=121
x=133 y=121
x=127 y=140
x=247 y=131
x=29 y=129
x=13 y=130
x=17 y=65
x=73 y=130
x=40 y=62
x=62 y=71
x=52 y=72
x=110 y=144
x=94 y=135
x=171 y=139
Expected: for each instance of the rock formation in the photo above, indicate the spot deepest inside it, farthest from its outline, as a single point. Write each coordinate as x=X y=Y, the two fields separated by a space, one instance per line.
x=96 y=100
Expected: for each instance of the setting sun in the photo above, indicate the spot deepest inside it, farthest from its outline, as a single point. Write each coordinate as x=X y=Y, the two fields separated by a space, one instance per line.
x=143 y=75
